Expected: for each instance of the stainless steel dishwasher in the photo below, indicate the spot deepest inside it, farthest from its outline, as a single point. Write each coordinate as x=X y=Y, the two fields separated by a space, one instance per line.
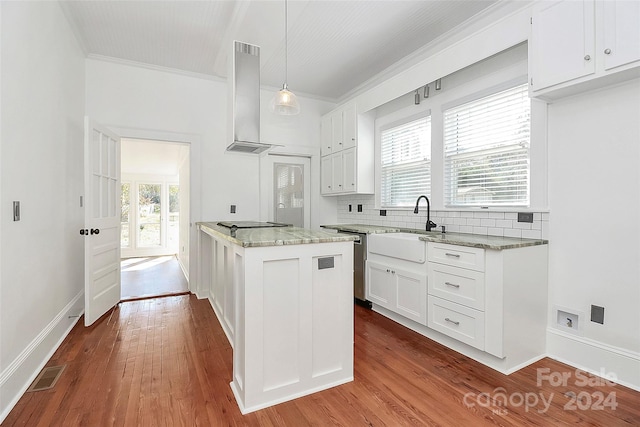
x=359 y=261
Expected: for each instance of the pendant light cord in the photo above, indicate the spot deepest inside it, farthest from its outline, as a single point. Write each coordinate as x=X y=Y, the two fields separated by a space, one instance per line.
x=286 y=42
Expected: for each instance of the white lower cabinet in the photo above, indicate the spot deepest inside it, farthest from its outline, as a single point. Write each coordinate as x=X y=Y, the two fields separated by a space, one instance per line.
x=490 y=305
x=402 y=291
x=457 y=321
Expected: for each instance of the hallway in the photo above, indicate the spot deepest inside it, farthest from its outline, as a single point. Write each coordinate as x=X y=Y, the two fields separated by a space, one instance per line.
x=152 y=276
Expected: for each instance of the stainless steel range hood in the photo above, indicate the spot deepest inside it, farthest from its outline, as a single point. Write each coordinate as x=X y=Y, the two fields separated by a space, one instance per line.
x=244 y=78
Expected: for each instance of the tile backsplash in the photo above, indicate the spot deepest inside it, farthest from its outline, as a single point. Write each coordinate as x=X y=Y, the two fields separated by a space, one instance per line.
x=492 y=223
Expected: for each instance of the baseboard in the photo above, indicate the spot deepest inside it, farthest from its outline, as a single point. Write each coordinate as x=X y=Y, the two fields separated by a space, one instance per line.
x=620 y=365
x=185 y=270
x=18 y=376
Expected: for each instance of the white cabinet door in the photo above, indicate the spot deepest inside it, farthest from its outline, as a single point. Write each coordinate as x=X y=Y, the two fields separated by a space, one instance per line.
x=337 y=173
x=379 y=284
x=326 y=136
x=326 y=175
x=349 y=127
x=336 y=131
x=562 y=42
x=621 y=27
x=411 y=295
x=349 y=170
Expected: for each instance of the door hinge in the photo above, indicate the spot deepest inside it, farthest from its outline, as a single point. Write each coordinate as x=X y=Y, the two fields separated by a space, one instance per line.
x=531 y=20
x=531 y=81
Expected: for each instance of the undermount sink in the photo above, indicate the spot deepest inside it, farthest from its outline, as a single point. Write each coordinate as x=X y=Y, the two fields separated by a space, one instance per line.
x=406 y=246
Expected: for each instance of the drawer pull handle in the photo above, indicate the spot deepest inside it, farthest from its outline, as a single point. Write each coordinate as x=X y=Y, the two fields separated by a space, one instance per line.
x=453 y=285
x=451 y=321
x=453 y=255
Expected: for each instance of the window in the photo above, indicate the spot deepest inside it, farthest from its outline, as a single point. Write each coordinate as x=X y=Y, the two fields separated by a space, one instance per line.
x=125 y=241
x=405 y=153
x=486 y=149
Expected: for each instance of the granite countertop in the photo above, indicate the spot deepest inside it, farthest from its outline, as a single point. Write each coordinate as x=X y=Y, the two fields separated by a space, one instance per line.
x=460 y=239
x=276 y=236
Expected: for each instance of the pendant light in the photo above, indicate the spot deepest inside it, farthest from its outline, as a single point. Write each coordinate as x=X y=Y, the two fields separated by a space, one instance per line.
x=285 y=102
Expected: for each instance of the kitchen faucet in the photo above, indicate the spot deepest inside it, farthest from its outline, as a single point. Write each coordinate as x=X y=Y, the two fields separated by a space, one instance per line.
x=430 y=224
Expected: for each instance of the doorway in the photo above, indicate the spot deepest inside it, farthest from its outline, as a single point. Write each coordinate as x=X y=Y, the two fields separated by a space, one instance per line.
x=286 y=189
x=154 y=218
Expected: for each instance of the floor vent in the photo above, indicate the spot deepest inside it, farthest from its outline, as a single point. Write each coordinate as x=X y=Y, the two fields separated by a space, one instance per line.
x=47 y=378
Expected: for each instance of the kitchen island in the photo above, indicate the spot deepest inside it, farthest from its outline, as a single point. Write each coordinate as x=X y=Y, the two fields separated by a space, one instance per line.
x=284 y=297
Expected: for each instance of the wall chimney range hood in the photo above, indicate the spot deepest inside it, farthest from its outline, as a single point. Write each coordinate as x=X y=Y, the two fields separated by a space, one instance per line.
x=244 y=86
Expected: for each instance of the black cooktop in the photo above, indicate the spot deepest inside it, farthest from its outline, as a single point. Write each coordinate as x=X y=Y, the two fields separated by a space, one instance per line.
x=251 y=224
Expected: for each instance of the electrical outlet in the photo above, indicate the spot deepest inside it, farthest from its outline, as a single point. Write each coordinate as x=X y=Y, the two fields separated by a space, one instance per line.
x=383 y=212
x=233 y=208
x=597 y=314
x=525 y=217
x=359 y=208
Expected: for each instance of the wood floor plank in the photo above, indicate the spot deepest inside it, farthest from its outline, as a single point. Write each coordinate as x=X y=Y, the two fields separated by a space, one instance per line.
x=167 y=362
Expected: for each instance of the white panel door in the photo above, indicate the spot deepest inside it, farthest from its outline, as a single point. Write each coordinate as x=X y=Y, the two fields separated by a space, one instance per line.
x=102 y=221
x=285 y=189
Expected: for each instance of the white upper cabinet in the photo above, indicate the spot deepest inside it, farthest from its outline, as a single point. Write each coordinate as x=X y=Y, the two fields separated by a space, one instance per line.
x=347 y=152
x=580 y=45
x=562 y=42
x=621 y=28
x=326 y=136
x=349 y=126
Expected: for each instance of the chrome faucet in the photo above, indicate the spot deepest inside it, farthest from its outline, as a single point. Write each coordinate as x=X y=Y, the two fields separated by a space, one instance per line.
x=430 y=224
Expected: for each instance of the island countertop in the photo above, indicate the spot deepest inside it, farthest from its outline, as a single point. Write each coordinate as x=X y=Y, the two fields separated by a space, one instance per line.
x=460 y=239
x=275 y=236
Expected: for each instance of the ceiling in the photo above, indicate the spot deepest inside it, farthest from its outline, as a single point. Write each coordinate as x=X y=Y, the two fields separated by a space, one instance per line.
x=334 y=45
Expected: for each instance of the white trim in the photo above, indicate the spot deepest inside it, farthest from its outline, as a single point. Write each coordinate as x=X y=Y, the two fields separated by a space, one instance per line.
x=593 y=356
x=16 y=378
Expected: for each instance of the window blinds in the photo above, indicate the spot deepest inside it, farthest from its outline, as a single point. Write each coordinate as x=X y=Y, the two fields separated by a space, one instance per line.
x=406 y=163
x=486 y=149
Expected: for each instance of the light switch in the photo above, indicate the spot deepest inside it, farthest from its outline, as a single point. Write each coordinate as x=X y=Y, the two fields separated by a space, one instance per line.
x=16 y=211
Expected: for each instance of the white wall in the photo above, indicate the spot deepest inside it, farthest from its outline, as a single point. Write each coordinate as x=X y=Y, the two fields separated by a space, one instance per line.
x=42 y=101
x=145 y=100
x=594 y=195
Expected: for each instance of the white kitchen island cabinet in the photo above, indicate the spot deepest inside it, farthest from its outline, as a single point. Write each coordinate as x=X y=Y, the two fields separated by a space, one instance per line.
x=291 y=320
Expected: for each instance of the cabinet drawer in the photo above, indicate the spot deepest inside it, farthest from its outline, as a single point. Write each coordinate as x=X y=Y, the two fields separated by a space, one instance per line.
x=458 y=285
x=457 y=256
x=457 y=321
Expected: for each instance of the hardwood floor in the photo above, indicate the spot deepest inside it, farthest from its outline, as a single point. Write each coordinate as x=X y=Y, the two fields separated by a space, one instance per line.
x=166 y=362
x=152 y=276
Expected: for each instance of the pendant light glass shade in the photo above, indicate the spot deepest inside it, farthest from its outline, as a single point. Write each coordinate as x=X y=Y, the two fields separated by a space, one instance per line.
x=285 y=102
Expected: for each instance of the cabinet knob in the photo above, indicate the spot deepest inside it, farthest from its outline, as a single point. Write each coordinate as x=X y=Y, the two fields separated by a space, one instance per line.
x=607 y=51
x=353 y=139
x=587 y=57
x=388 y=270
x=328 y=186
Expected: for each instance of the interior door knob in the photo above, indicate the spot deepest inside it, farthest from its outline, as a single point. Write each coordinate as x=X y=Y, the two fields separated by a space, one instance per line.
x=95 y=231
